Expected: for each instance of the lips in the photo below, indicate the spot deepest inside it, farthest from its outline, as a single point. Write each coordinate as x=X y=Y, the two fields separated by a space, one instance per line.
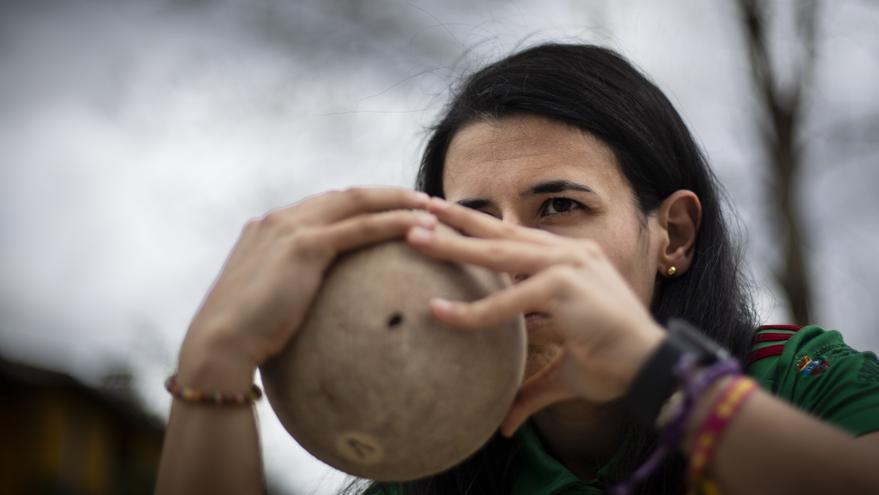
x=535 y=316
x=535 y=320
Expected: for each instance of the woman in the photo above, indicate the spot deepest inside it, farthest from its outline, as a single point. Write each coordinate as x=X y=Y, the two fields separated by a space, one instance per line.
x=570 y=170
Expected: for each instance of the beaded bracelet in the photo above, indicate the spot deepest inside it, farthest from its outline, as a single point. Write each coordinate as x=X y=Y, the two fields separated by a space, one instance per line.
x=731 y=398
x=188 y=394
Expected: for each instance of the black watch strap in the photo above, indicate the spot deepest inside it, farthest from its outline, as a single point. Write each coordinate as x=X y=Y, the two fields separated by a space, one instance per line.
x=656 y=380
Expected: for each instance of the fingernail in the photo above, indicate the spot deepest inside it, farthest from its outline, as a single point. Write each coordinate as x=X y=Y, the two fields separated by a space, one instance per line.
x=422 y=196
x=426 y=220
x=420 y=234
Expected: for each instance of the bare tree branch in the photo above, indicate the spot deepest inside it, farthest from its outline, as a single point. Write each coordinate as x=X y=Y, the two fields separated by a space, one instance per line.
x=784 y=109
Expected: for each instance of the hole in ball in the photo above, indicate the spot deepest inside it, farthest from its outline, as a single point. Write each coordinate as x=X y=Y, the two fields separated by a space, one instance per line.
x=395 y=320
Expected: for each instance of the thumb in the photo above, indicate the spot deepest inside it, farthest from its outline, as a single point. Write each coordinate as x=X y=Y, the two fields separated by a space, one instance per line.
x=540 y=390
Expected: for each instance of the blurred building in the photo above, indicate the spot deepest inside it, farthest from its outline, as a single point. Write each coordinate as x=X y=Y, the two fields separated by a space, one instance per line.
x=62 y=437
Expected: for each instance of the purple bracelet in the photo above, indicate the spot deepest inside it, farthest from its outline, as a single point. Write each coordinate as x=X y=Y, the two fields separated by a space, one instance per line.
x=669 y=437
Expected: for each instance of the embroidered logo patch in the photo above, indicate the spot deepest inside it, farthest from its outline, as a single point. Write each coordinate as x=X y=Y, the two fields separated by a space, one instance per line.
x=808 y=366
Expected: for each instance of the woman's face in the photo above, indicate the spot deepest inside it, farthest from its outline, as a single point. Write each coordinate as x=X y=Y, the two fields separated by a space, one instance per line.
x=544 y=174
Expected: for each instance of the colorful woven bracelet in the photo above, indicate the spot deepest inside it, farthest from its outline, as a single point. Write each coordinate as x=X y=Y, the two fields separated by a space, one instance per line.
x=694 y=383
x=731 y=398
x=188 y=394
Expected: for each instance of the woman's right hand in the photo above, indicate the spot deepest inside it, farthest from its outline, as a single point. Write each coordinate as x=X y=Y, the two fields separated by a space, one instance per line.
x=275 y=269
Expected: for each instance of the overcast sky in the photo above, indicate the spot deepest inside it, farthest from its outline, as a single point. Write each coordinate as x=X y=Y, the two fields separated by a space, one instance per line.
x=137 y=137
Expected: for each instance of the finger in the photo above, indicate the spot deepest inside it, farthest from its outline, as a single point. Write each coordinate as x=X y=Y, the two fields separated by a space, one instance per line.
x=369 y=228
x=540 y=390
x=338 y=205
x=502 y=255
x=532 y=295
x=477 y=224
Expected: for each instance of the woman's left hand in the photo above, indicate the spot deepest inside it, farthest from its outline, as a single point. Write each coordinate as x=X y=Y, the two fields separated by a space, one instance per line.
x=604 y=330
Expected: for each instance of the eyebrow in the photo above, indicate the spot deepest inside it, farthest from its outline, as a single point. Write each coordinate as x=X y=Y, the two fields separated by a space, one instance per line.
x=553 y=186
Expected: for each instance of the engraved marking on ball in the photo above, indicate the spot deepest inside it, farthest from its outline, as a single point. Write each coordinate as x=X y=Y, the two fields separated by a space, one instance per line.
x=359 y=447
x=395 y=320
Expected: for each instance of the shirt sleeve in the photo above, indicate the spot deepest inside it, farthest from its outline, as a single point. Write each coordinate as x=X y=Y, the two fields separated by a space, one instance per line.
x=818 y=373
x=376 y=488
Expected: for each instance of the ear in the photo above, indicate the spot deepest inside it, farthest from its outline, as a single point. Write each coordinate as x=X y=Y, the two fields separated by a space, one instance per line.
x=678 y=219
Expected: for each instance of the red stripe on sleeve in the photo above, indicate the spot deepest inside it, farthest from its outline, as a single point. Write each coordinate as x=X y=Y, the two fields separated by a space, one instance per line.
x=794 y=328
x=772 y=350
x=771 y=337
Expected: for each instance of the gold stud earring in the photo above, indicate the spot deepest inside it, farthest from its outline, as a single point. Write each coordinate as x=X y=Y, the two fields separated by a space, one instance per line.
x=671 y=271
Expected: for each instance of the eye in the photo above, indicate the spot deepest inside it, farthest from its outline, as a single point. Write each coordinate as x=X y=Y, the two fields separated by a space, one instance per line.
x=557 y=206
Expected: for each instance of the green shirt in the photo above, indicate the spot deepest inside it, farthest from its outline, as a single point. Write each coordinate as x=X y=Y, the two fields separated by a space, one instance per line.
x=811 y=368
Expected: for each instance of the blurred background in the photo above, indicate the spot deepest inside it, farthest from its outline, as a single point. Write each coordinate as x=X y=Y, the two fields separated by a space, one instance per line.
x=137 y=137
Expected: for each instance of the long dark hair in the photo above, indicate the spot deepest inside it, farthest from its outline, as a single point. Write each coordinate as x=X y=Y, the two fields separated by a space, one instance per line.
x=598 y=91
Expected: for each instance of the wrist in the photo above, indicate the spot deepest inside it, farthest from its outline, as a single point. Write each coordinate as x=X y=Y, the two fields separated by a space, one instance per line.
x=620 y=358
x=646 y=344
x=670 y=365
x=209 y=361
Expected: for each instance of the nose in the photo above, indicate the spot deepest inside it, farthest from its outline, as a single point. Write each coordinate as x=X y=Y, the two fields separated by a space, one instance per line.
x=511 y=217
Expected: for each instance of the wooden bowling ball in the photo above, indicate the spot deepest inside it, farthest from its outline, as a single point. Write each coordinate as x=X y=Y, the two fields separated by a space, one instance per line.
x=374 y=385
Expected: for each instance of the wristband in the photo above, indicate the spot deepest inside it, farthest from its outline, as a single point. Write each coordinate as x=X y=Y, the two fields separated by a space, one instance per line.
x=694 y=383
x=656 y=380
